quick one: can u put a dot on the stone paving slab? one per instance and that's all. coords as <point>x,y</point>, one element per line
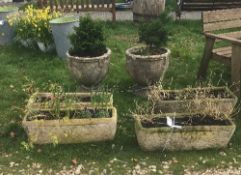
<point>126,15</point>
<point>195,15</point>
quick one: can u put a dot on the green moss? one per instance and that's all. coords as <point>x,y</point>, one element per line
<point>65,19</point>
<point>8,8</point>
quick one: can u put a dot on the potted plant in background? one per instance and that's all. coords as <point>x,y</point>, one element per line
<point>88,57</point>
<point>61,28</point>
<point>6,30</point>
<point>32,27</point>
<point>42,30</point>
<point>148,63</point>
<point>68,121</point>
<point>24,27</point>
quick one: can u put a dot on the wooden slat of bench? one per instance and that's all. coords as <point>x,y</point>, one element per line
<point>221,49</point>
<point>211,6</point>
<point>222,25</point>
<point>212,1</point>
<point>206,5</point>
<point>221,15</point>
<point>192,5</point>
<point>236,35</point>
<point>223,54</point>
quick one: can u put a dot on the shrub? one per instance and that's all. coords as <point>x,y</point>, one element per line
<point>88,39</point>
<point>33,24</point>
<point>154,34</point>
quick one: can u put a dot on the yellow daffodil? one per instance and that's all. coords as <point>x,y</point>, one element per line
<point>34,23</point>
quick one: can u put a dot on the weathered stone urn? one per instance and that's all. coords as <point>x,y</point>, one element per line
<point>146,70</point>
<point>89,71</point>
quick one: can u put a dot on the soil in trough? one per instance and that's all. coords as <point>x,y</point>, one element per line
<point>195,94</point>
<point>78,99</point>
<point>186,120</point>
<point>71,114</point>
<point>149,51</point>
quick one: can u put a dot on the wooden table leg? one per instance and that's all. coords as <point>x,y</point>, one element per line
<point>235,67</point>
<point>206,57</point>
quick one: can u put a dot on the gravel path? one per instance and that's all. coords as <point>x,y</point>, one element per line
<point>229,171</point>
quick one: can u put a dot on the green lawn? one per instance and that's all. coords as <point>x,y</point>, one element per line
<point>16,63</point>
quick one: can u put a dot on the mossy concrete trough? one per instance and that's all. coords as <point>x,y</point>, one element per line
<point>67,131</point>
<point>200,103</point>
<point>187,138</point>
<point>70,100</point>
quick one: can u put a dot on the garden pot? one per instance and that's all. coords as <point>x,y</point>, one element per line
<point>155,134</point>
<point>45,48</point>
<point>147,9</point>
<point>70,100</point>
<point>89,71</point>
<point>192,100</point>
<point>66,131</point>
<point>61,28</point>
<point>6,11</point>
<point>6,31</point>
<point>28,43</point>
<point>146,70</point>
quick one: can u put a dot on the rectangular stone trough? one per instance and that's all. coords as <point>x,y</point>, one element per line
<point>187,138</point>
<point>66,131</point>
<point>199,102</point>
<point>42,100</point>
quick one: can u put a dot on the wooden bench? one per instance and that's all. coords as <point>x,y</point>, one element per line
<point>220,22</point>
<point>204,5</point>
<point>80,6</point>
